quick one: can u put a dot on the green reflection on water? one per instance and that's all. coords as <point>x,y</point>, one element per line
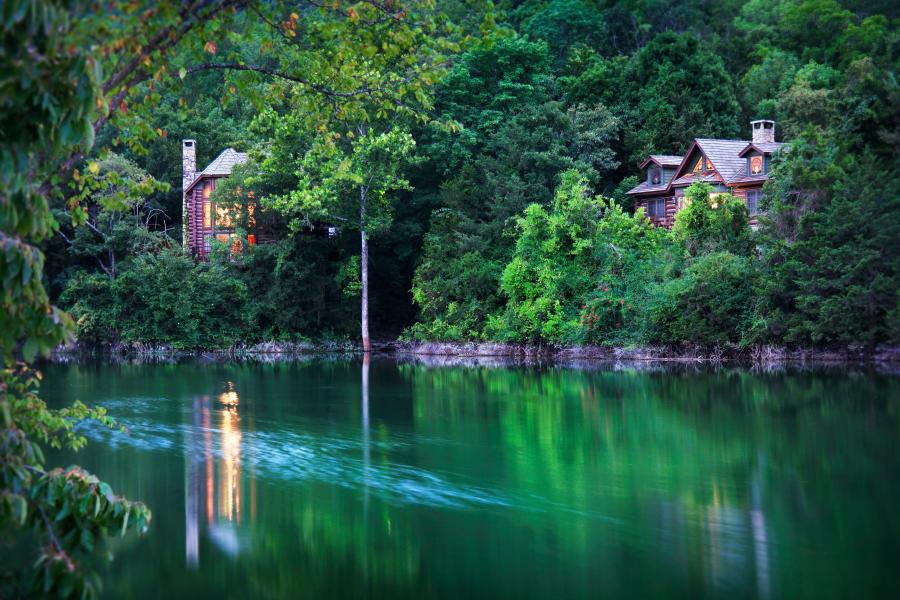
<point>297,479</point>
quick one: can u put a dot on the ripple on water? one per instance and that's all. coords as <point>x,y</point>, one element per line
<point>339,459</point>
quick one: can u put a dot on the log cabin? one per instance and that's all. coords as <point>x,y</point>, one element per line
<point>738,167</point>
<point>204,221</point>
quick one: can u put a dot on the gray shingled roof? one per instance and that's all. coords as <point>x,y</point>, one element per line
<point>224,162</point>
<point>750,179</point>
<point>692,178</point>
<point>667,160</point>
<point>644,188</point>
<point>221,166</point>
<point>724,155</point>
<point>764,147</point>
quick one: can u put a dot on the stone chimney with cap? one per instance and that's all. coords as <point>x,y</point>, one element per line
<point>763,131</point>
<point>188,174</point>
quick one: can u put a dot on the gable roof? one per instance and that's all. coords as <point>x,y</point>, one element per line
<point>647,188</point>
<point>663,160</point>
<point>724,156</point>
<point>747,179</point>
<point>762,147</point>
<point>221,166</point>
<point>691,178</point>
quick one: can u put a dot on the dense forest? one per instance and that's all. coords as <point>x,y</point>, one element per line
<point>504,216</point>
<point>450,170</point>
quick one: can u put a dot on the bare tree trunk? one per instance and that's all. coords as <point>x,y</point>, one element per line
<point>364,271</point>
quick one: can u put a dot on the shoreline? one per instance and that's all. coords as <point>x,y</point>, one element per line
<point>513,352</point>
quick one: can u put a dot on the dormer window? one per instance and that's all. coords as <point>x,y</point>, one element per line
<point>703,166</point>
<point>655,176</point>
<point>756,165</point>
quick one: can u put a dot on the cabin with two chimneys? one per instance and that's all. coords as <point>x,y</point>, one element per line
<point>738,167</point>
<point>203,220</point>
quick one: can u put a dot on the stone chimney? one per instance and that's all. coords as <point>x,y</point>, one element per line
<point>188,173</point>
<point>188,162</point>
<point>763,131</point>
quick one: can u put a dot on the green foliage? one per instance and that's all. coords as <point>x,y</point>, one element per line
<point>471,243</point>
<point>455,286</point>
<point>162,298</point>
<point>672,90</point>
<point>48,95</point>
<point>710,303</point>
<point>710,223</point>
<point>514,143</point>
<point>567,23</point>
<point>70,510</point>
<point>833,266</point>
<point>351,183</point>
<point>564,264</point>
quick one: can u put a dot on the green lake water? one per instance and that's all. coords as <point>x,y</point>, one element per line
<point>295,479</point>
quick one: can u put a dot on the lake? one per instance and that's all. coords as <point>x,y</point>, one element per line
<point>329,478</point>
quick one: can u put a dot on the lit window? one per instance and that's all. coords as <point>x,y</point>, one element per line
<point>756,165</point>
<point>207,190</point>
<point>207,214</point>
<point>223,216</point>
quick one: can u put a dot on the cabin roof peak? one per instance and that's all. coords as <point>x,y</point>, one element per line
<point>663,160</point>
<point>221,166</point>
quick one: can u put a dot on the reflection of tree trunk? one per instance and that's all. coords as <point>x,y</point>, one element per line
<point>364,270</point>
<point>365,427</point>
<point>192,467</point>
<point>760,537</point>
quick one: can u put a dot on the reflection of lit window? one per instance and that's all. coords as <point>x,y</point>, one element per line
<point>756,165</point>
<point>229,396</point>
<point>207,190</point>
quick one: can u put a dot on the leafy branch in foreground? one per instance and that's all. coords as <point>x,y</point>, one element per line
<point>70,511</point>
<point>49,93</point>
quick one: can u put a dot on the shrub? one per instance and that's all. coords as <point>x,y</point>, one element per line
<point>710,303</point>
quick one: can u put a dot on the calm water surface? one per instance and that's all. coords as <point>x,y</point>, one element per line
<point>297,480</point>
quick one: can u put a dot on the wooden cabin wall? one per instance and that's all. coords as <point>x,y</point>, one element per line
<point>742,194</point>
<point>660,221</point>
<point>197,233</point>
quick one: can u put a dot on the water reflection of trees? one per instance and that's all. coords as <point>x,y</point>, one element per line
<point>701,480</point>
<point>713,469</point>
